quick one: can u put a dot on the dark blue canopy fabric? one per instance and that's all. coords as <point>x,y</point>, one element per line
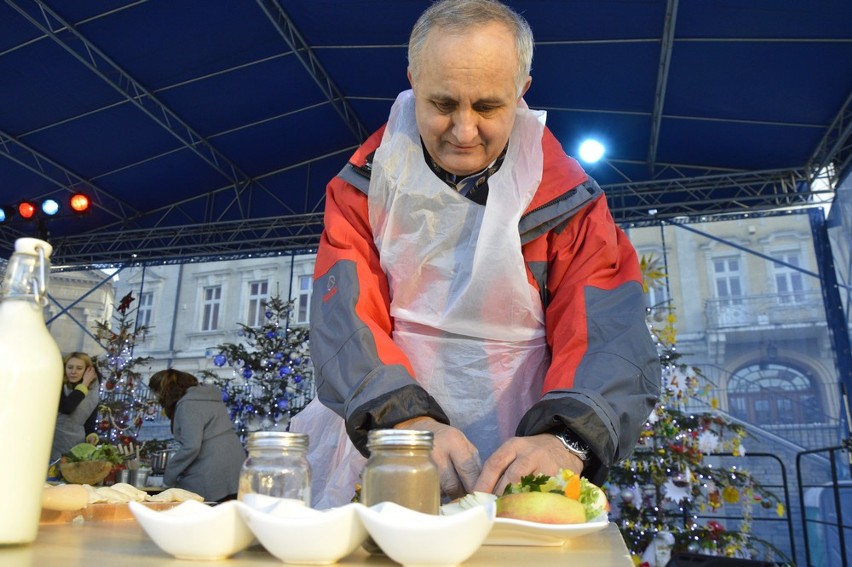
<point>210,127</point>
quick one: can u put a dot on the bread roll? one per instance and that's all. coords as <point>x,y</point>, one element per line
<point>176,495</point>
<point>64,497</point>
<point>134,493</point>
<point>94,497</point>
<point>112,496</point>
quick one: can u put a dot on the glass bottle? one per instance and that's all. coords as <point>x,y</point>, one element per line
<point>29,389</point>
<point>276,466</point>
<point>400,470</point>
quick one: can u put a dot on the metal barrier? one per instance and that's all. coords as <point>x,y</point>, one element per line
<point>835,486</point>
<point>784,487</point>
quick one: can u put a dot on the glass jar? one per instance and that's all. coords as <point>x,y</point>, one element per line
<point>400,470</point>
<point>276,466</point>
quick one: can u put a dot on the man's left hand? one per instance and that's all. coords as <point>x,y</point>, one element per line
<point>520,456</point>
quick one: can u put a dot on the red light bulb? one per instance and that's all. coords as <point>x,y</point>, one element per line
<point>80,203</point>
<point>27,210</point>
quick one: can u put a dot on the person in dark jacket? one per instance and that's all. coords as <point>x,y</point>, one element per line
<point>210,454</point>
<point>78,404</point>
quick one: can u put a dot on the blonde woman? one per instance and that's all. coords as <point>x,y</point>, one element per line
<point>78,404</point>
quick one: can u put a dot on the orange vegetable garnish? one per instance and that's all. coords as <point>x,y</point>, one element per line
<point>572,487</point>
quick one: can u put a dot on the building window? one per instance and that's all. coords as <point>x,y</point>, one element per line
<point>258,295</point>
<point>726,273</point>
<point>146,307</point>
<point>773,394</point>
<point>789,283</point>
<point>211,302</point>
<point>303,304</point>
<point>657,303</point>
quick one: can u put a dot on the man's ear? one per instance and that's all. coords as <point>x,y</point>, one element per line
<point>526,87</point>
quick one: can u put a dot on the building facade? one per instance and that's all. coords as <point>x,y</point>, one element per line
<point>78,301</point>
<point>749,313</point>
<point>190,309</point>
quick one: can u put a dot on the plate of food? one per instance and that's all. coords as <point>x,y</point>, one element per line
<point>542,510</point>
<point>507,531</point>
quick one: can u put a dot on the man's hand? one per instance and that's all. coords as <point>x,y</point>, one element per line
<point>457,459</point>
<point>520,456</point>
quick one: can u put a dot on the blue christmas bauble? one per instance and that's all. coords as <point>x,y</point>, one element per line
<point>279,355</point>
<point>284,371</point>
<point>270,334</point>
<point>220,360</point>
<point>268,314</point>
<point>297,378</point>
<point>225,396</point>
<point>282,404</point>
<point>247,373</point>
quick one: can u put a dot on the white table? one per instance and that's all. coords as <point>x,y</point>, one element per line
<point>125,544</point>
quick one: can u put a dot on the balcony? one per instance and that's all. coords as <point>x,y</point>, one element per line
<point>775,310</point>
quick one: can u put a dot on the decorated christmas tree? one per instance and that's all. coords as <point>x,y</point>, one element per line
<point>271,376</point>
<point>124,395</point>
<point>658,493</point>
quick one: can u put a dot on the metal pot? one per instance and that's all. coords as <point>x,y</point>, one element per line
<point>159,460</point>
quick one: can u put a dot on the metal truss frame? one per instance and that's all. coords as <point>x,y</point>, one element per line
<point>282,22</point>
<point>171,234</point>
<point>633,204</point>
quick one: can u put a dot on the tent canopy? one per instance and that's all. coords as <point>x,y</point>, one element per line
<point>210,128</point>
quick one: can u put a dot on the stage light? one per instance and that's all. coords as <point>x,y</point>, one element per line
<point>49,207</point>
<point>80,203</point>
<point>591,151</point>
<point>6,213</point>
<point>27,210</point>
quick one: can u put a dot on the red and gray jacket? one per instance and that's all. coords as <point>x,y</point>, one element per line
<point>604,376</point>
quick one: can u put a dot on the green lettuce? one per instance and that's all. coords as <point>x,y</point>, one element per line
<point>88,452</point>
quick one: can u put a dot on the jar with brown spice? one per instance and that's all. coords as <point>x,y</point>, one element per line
<point>400,470</point>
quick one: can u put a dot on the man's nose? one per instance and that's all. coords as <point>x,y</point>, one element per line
<point>465,126</point>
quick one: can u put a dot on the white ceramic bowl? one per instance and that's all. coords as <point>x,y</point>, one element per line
<point>266,503</point>
<point>415,539</point>
<point>193,530</point>
<point>298,534</point>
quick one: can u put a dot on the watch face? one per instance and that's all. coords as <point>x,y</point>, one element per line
<point>574,445</point>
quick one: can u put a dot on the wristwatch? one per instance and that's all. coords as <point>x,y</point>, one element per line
<point>572,443</point>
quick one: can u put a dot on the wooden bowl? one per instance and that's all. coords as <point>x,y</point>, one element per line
<point>85,472</point>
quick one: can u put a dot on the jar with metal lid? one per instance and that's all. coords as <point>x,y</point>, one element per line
<point>276,466</point>
<point>401,470</point>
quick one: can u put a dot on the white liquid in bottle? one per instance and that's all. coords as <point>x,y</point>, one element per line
<point>30,383</point>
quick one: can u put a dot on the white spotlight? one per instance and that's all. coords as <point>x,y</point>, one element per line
<point>591,151</point>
